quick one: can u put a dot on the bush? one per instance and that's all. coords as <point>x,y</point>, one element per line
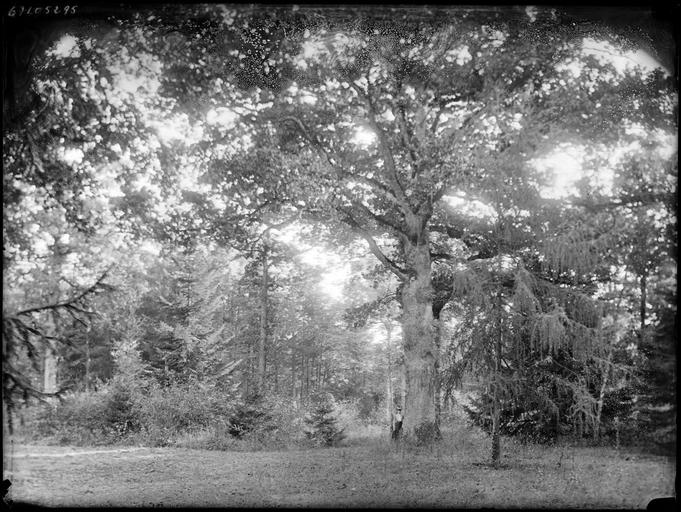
<point>259,424</point>
<point>138,412</point>
<point>85,418</point>
<point>171,411</point>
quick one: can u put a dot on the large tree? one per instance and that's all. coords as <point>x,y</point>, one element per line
<point>367,121</point>
<point>371,122</point>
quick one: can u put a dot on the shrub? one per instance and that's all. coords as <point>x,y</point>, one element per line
<point>168,412</point>
<point>102,417</point>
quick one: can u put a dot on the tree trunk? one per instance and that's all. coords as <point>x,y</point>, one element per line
<point>276,374</point>
<point>293,375</point>
<point>420,350</point>
<point>496,405</point>
<point>307,378</point>
<point>249,377</point>
<point>262,339</point>
<point>50,354</point>
<point>438,383</point>
<point>643,284</point>
<point>605,371</point>
<point>87,361</point>
<point>389,380</point>
<point>318,373</point>
<point>403,385</point>
<point>49,367</point>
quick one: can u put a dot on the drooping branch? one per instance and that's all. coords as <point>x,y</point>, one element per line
<point>70,304</point>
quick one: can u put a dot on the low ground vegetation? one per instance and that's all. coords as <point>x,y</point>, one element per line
<point>368,471</point>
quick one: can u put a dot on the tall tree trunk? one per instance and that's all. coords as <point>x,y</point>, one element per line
<point>389,380</point>
<point>644,298</point>
<point>50,367</point>
<point>496,405</point>
<point>87,361</point>
<point>307,378</point>
<point>496,409</point>
<point>318,373</point>
<point>420,350</point>
<point>262,339</point>
<point>438,383</point>
<point>605,372</point>
<point>403,385</point>
<point>293,374</point>
<point>249,378</point>
<point>276,375</point>
<point>50,351</point>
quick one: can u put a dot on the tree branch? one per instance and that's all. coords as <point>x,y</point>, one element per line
<point>388,159</point>
<point>407,136</point>
<point>375,249</point>
<point>388,193</point>
<point>378,218</point>
<point>99,284</point>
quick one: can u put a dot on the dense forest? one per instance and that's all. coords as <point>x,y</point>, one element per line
<point>249,223</point>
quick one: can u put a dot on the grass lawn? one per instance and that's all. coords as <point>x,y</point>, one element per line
<point>367,473</point>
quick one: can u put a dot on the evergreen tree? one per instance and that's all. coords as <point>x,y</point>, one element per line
<point>322,425</point>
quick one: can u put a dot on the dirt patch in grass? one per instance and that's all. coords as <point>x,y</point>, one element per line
<point>376,474</point>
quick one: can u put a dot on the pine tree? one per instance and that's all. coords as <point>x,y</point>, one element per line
<point>322,425</point>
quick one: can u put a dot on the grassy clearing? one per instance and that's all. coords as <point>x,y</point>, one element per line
<point>369,472</point>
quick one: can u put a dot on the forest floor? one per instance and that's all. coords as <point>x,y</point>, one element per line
<point>366,473</point>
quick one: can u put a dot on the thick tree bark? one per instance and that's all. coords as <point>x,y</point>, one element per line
<point>420,349</point>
